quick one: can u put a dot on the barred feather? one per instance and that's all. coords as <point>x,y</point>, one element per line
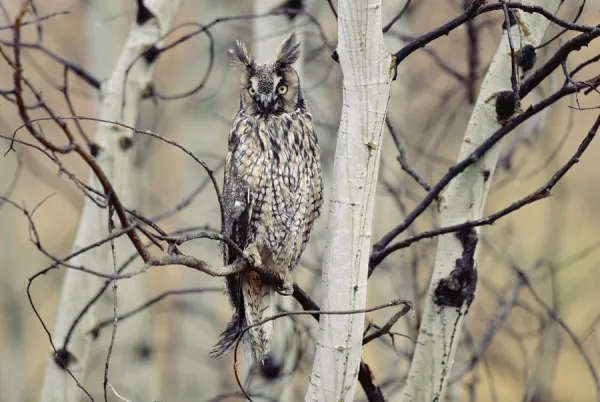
<point>259,303</point>
<point>228,338</point>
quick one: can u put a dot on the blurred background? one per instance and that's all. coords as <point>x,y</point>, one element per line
<point>512,349</point>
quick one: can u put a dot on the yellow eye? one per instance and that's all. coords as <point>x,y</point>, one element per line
<point>251,91</point>
<point>282,89</point>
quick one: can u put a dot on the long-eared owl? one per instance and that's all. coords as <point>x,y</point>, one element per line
<point>272,192</point>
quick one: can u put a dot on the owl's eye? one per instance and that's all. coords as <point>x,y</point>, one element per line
<point>282,89</point>
<point>251,91</point>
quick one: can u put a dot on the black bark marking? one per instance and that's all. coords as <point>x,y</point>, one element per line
<point>151,54</point>
<point>335,56</point>
<point>526,57</point>
<point>505,105</point>
<point>143,14</point>
<point>63,358</point>
<point>125,143</point>
<point>459,287</point>
<point>144,351</point>
<point>94,149</point>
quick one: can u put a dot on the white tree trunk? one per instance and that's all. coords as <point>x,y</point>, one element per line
<point>368,72</point>
<point>105,31</point>
<point>77,290</point>
<point>465,200</point>
<point>120,101</point>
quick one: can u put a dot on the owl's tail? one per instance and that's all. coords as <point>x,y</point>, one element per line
<point>259,303</point>
<point>253,301</point>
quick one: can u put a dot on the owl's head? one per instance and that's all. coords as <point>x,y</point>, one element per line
<point>271,88</point>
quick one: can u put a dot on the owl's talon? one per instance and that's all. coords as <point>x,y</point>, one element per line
<point>252,256</point>
<point>287,288</point>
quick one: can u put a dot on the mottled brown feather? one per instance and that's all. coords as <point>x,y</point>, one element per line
<point>273,189</point>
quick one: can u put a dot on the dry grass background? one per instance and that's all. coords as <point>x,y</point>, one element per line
<point>553,229</point>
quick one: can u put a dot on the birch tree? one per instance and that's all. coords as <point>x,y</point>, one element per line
<point>121,96</point>
<point>452,286</point>
<point>105,31</point>
<point>367,69</point>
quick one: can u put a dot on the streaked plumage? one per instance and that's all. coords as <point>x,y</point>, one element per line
<point>272,192</point>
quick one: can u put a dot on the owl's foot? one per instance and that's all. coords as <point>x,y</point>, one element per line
<point>287,288</point>
<point>253,256</point>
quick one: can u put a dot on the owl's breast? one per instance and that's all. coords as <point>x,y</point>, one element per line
<point>278,163</point>
<point>270,152</point>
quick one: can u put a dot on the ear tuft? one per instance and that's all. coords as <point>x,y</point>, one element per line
<point>288,53</point>
<point>239,55</point>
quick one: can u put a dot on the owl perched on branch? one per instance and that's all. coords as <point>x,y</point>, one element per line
<point>272,192</point>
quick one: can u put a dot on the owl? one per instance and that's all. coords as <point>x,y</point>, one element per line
<point>272,191</point>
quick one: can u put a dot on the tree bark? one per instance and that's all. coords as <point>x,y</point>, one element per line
<point>121,96</point>
<point>465,200</point>
<point>367,70</point>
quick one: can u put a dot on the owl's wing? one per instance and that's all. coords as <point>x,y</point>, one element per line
<point>315,201</point>
<point>235,205</point>
<point>236,228</point>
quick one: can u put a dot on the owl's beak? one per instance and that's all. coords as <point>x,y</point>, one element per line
<point>265,103</point>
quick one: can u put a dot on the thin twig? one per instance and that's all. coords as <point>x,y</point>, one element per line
<point>539,194</point>
<point>378,249</point>
<point>385,329</point>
